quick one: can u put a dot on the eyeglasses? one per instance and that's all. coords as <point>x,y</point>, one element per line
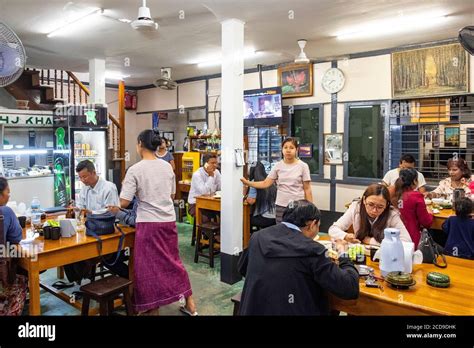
<point>373,206</point>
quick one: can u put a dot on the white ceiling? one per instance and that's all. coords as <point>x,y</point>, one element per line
<point>181,43</point>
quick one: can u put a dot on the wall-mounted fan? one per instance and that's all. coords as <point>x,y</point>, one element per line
<point>165,82</point>
<point>12,56</point>
<point>466,38</point>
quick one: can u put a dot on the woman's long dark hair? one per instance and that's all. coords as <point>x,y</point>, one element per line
<point>375,230</point>
<point>404,183</point>
<point>265,197</point>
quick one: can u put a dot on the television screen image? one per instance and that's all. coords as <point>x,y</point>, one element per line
<point>261,105</point>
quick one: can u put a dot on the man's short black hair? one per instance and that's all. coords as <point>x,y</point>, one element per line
<point>207,157</point>
<point>300,212</point>
<point>85,164</point>
<point>463,207</point>
<point>407,158</point>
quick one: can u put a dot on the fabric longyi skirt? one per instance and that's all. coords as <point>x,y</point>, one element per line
<point>159,275</point>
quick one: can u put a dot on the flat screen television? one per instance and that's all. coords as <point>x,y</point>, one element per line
<point>262,107</point>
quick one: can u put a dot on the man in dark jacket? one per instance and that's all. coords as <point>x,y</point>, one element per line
<point>287,273</point>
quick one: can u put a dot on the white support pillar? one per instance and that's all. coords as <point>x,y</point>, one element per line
<point>97,81</point>
<point>232,139</point>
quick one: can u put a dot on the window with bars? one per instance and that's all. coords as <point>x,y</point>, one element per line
<point>432,130</point>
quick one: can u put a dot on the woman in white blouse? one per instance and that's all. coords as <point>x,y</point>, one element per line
<point>369,217</point>
<point>459,178</point>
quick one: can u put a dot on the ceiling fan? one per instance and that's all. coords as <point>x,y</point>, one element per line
<point>144,21</point>
<point>165,81</point>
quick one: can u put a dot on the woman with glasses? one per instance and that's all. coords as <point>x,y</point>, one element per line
<point>366,220</point>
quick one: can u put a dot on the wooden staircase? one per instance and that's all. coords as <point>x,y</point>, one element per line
<point>47,89</point>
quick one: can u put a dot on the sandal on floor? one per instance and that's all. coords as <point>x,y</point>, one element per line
<point>184,310</point>
<point>59,285</point>
<point>77,295</point>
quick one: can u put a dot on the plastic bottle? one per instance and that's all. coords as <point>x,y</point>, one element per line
<point>35,212</point>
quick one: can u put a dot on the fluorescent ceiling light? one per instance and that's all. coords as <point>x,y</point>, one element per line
<point>80,19</point>
<point>217,60</point>
<point>115,75</point>
<point>394,25</point>
<point>23,152</point>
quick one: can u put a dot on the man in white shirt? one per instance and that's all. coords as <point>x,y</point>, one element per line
<point>406,161</point>
<point>205,182</point>
<point>97,193</point>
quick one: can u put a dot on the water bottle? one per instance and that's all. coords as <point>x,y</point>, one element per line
<point>35,212</point>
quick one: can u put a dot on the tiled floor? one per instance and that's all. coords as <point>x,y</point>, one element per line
<point>211,295</point>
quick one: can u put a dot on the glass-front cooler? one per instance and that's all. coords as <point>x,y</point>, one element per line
<point>89,145</point>
<point>264,146</point>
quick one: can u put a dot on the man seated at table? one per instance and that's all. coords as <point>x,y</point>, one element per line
<point>406,162</point>
<point>97,193</point>
<point>206,181</point>
<point>288,273</point>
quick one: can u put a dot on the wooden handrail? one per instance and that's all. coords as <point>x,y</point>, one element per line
<point>114,120</point>
<point>76,80</point>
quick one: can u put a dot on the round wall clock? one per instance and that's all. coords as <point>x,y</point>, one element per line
<point>333,80</point>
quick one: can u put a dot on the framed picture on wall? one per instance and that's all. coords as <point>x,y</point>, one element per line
<point>296,80</point>
<point>168,135</point>
<point>305,151</point>
<point>431,71</point>
<point>451,137</point>
<point>333,148</point>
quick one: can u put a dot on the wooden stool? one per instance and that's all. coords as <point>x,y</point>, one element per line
<point>210,230</point>
<point>236,300</point>
<point>105,291</point>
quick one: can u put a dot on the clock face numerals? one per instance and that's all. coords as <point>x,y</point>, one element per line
<point>333,80</point>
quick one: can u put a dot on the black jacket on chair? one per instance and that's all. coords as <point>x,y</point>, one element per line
<point>287,273</point>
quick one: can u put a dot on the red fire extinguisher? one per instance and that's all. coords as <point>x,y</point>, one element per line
<point>130,100</point>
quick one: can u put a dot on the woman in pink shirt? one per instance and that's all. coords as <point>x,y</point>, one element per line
<point>291,176</point>
<point>411,204</point>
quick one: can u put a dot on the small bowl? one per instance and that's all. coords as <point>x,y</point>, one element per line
<point>437,200</point>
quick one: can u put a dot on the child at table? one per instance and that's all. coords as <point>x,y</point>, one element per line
<point>460,231</point>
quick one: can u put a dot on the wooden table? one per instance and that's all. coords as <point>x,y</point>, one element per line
<point>182,190</point>
<point>210,203</point>
<point>56,253</point>
<point>440,217</point>
<point>420,299</point>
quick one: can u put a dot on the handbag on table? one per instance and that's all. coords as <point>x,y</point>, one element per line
<point>431,250</point>
<point>102,224</point>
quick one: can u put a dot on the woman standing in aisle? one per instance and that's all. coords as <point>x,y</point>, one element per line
<point>160,277</point>
<point>291,176</point>
<point>164,154</point>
